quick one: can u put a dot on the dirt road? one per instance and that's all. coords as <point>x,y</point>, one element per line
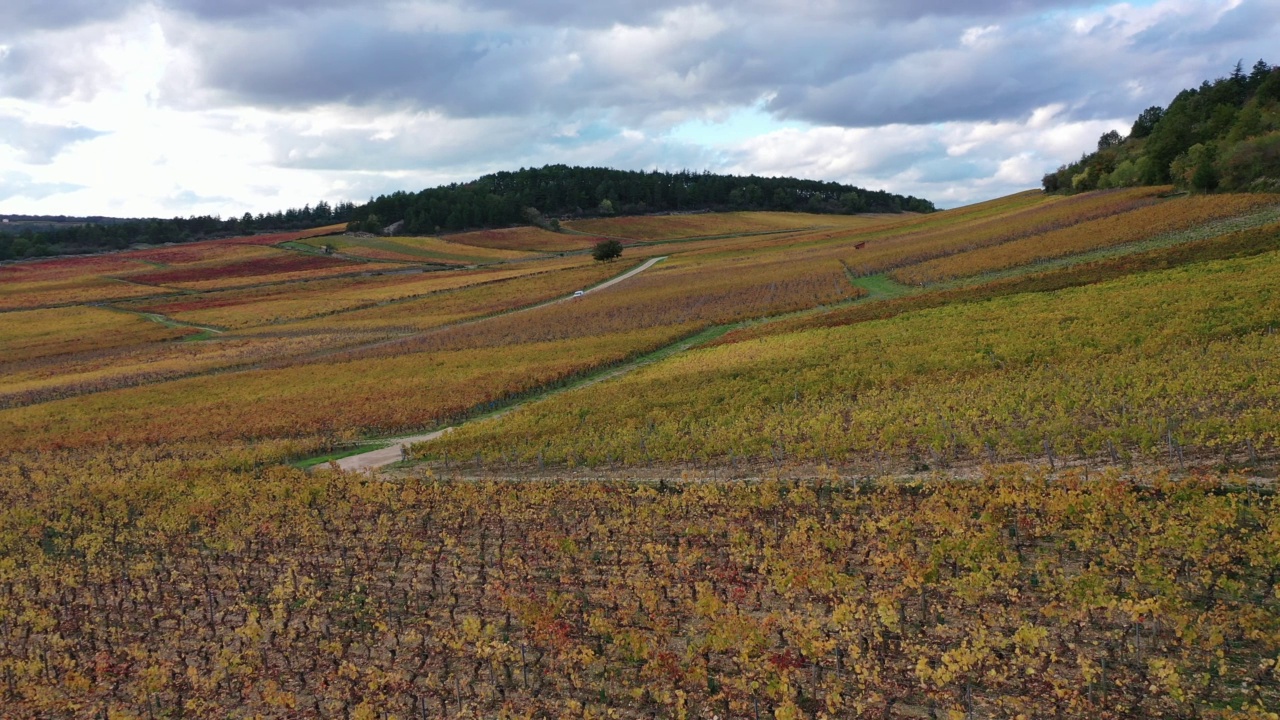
<point>608,283</point>
<point>395,452</point>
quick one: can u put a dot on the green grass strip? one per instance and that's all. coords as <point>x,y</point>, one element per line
<point>340,454</point>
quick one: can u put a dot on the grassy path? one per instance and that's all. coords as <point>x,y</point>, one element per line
<point>205,330</point>
<point>397,449</point>
<point>881,287</point>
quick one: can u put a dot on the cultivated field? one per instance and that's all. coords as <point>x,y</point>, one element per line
<point>417,249</point>
<point>676,227</point>
<point>525,238</point>
<point>1011,460</point>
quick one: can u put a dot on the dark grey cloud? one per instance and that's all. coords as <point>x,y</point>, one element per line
<point>591,13</point>
<point>847,64</point>
<point>39,143</point>
<point>883,63</point>
<point>636,72</point>
<point>940,85</point>
<point>333,59</point>
<point>1032,63</point>
<point>19,17</point>
<point>215,10</point>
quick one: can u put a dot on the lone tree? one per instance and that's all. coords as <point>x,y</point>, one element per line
<point>607,250</point>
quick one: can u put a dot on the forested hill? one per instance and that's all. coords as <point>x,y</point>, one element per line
<point>1223,135</point>
<point>533,195</point>
<point>29,236</point>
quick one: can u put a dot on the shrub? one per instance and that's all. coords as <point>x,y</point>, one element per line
<point>607,250</point>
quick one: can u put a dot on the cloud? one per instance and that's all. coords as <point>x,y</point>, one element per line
<point>86,61</point>
<point>952,164</point>
<point>1203,27</point>
<point>20,185</point>
<point>591,13</point>
<point>655,64</point>
<point>23,16</point>
<point>39,143</point>
<point>20,17</point>
<point>332,61</point>
<point>233,105</point>
<point>338,140</point>
<point>852,65</point>
<point>1006,71</point>
<point>454,150</point>
<point>187,199</point>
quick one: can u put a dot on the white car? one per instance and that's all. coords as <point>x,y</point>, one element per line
<point>580,293</point>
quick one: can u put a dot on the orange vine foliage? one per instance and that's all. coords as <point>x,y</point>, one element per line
<point>389,392</point>
<point>525,238</point>
<point>1127,227</point>
<point>677,226</point>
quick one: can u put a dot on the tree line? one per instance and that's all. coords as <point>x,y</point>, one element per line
<point>59,235</point>
<point>536,196</point>
<point>541,196</point>
<point>1224,135</point>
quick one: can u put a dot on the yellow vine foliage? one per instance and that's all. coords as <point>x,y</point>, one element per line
<point>179,580</point>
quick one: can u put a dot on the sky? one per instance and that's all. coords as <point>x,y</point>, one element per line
<point>192,107</point>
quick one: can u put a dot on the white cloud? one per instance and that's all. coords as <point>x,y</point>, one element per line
<point>975,36</point>
<point>951,163</point>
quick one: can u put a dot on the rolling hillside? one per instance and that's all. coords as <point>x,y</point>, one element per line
<point>1012,459</point>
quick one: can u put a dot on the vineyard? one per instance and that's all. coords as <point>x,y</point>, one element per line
<point>308,299</point>
<point>529,239</point>
<point>424,249</point>
<point>1127,227</point>
<point>1013,460</point>
<point>220,593</point>
<point>465,303</point>
<point>1093,372</point>
<point>675,227</point>
<point>41,334</point>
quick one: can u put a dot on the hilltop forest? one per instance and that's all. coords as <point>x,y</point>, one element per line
<point>526,196</point>
<point>1224,135</point>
